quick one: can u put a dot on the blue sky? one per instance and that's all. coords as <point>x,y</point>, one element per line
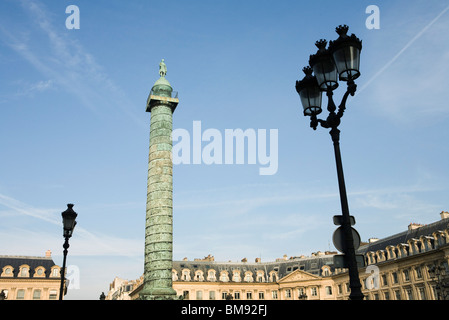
<point>73,127</point>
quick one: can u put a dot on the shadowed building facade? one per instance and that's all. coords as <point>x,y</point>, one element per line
<point>161,102</point>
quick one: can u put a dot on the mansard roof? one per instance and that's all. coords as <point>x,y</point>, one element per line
<point>403,237</point>
<point>32,262</point>
<point>311,265</point>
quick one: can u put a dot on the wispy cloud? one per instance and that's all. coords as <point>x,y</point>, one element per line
<point>408,45</point>
<point>65,62</point>
<point>87,242</point>
<point>405,89</point>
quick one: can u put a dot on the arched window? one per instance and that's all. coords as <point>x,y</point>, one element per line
<point>260,276</point>
<point>236,276</point>
<point>199,275</point>
<point>224,276</point>
<point>185,275</point>
<point>248,276</point>
<point>24,271</point>
<point>211,275</point>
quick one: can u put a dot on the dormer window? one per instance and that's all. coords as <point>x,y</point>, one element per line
<point>24,271</point>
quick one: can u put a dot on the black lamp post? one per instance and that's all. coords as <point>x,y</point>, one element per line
<point>340,62</point>
<point>69,223</point>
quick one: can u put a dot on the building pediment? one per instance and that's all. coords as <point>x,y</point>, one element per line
<point>298,275</point>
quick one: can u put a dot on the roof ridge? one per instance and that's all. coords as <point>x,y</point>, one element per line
<point>25,257</point>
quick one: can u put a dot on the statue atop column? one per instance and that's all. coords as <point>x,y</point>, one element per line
<point>162,68</point>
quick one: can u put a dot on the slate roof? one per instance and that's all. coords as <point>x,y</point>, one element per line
<point>404,236</point>
<point>33,262</point>
<point>310,264</point>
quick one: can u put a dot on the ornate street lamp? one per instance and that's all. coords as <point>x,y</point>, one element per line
<point>339,62</point>
<point>69,223</point>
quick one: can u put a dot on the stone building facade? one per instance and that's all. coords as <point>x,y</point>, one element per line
<point>29,278</point>
<point>398,267</point>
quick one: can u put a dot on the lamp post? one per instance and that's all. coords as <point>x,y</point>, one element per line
<point>339,62</point>
<point>69,223</point>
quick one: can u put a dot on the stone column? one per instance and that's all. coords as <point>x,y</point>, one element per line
<point>159,209</point>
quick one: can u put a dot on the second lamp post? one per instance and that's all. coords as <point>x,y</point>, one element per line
<point>339,62</point>
<point>68,221</point>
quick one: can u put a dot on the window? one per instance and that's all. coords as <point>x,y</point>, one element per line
<point>211,295</point>
<point>387,295</point>
<point>53,294</point>
<point>418,273</point>
<point>20,294</point>
<point>329,290</point>
<point>224,276</point>
<point>397,294</point>
<point>409,294</point>
<point>186,275</point>
<point>249,295</point>
<point>395,277</point>
<point>237,295</point>
<point>300,292</point>
<point>199,275</point>
<point>314,292</point>
<point>8,271</point>
<point>24,272</point>
<point>406,275</point>
<point>211,275</point>
<point>288,293</point>
<point>384,280</point>
<point>261,295</point>
<point>185,294</point>
<point>274,294</point>
<point>199,295</point>
<point>36,294</point>
<point>224,295</point>
<point>55,272</point>
<point>422,293</point>
<point>248,277</point>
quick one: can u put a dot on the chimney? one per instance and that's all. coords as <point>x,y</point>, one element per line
<point>371,240</point>
<point>244,260</point>
<point>444,215</point>
<point>258,260</point>
<point>413,226</point>
<point>48,254</point>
